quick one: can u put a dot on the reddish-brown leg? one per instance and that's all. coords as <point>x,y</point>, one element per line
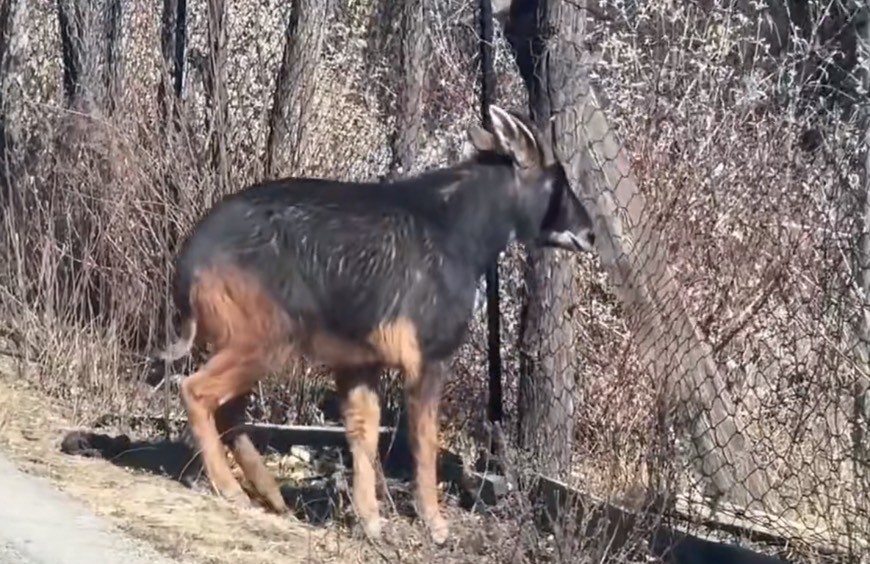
<point>358,389</point>
<point>228,374</point>
<point>229,419</point>
<point>423,394</point>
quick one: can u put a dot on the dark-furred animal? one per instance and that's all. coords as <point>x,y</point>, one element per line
<point>359,277</point>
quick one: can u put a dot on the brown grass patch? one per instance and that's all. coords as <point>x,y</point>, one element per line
<point>185,524</point>
<point>199,527</point>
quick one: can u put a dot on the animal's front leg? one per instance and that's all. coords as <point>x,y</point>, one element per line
<point>423,395</point>
<point>362,414</point>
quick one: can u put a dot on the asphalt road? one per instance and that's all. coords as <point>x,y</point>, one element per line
<point>41,525</point>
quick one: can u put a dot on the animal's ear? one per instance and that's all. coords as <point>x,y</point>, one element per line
<point>481,139</point>
<point>514,138</point>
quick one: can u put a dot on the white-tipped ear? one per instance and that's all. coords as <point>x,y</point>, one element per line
<point>514,138</point>
<point>526,132</point>
<point>502,126</point>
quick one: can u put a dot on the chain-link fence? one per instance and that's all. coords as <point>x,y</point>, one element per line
<point>720,364</point>
<point>709,366</point>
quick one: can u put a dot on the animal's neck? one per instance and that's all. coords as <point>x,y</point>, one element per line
<point>479,216</point>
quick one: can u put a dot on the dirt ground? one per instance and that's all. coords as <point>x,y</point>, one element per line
<point>196,526</point>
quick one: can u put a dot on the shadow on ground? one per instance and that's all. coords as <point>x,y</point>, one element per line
<point>322,498</point>
<point>318,498</point>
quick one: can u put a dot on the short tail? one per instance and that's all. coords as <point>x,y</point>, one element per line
<point>181,347</point>
<point>157,362</point>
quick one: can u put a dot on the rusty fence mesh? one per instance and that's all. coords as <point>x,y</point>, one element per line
<point>708,368</point>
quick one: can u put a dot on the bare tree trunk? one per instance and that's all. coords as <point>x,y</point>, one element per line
<point>67,15</point>
<point>414,57</point>
<point>218,94</point>
<point>295,86</point>
<point>112,66</point>
<point>173,36</point>
<point>82,48</point>
<point>668,338</point>
<point>11,15</point>
<point>547,373</point>
<point>90,34</point>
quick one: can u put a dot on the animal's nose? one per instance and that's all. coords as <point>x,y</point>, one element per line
<point>590,236</point>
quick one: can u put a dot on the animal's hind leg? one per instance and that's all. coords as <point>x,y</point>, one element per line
<point>422,397</point>
<point>358,389</point>
<point>228,374</point>
<point>229,419</point>
<point>398,345</point>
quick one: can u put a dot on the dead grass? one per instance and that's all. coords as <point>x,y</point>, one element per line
<point>184,524</point>
<point>197,527</point>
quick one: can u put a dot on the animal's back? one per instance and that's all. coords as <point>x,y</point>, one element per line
<point>341,256</point>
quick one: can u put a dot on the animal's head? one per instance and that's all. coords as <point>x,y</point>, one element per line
<point>547,212</point>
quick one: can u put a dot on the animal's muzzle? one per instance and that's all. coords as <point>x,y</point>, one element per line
<point>580,241</point>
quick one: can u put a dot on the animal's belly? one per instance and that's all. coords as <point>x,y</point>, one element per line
<point>334,351</point>
<point>443,333</point>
